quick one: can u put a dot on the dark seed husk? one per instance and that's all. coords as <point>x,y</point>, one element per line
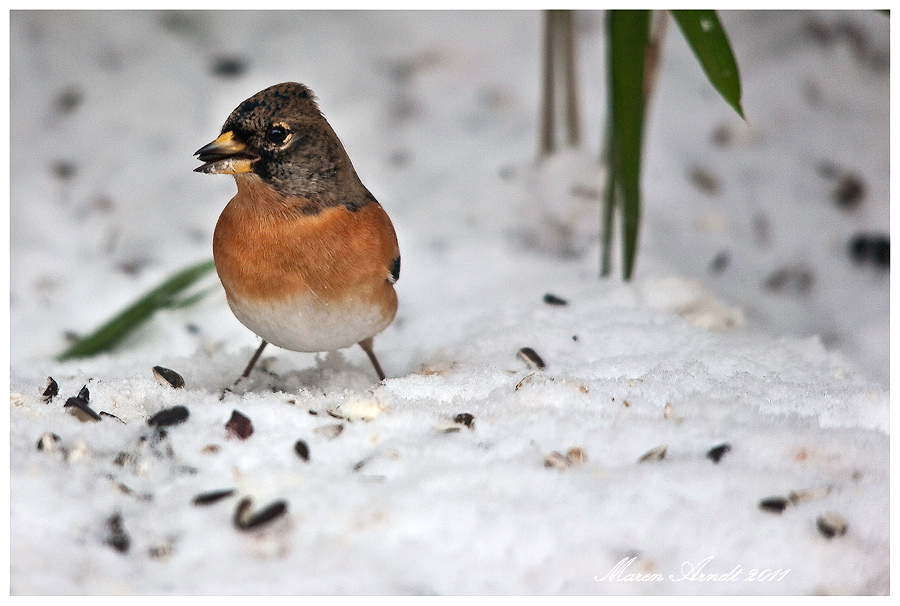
<point>831,524</point>
<point>302,450</point>
<point>51,391</point>
<point>169,416</point>
<point>530,357</point>
<point>207,498</point>
<point>551,299</point>
<point>849,191</point>
<point>118,539</point>
<point>103,413</point>
<point>773,504</point>
<point>466,419</point>
<point>79,407</point>
<point>125,458</point>
<point>871,248</point>
<point>48,441</point>
<point>716,453</point>
<point>654,454</point>
<point>244,521</point>
<point>239,425</point>
<point>167,376</point>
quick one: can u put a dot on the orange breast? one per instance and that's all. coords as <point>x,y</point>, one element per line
<point>266,251</point>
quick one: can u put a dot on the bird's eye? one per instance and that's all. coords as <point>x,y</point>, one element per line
<point>277,134</point>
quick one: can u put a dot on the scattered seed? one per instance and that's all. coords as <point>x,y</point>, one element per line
<point>161,551</point>
<point>125,458</point>
<point>705,181</point>
<point>530,357</point>
<point>313,413</point>
<point>722,135</point>
<point>158,438</point>
<point>556,460</point>
<point>118,539</point>
<point>208,498</point>
<point>576,456</point>
<point>525,379</point>
<point>551,299</point>
<point>655,454</point>
<point>125,489</point>
<point>103,413</point>
<point>329,432</point>
<point>51,391</point>
<point>871,248</point>
<point>211,449</point>
<point>169,416</point>
<point>849,191</point>
<point>68,100</point>
<point>466,419</point>
<point>63,169</point>
<point>720,262</point>
<point>809,494</point>
<point>244,521</point>
<point>229,67</point>
<point>362,463</point>
<point>716,453</point>
<point>79,406</point>
<point>831,524</point>
<point>302,449</point>
<point>167,376</point>
<point>239,425</point>
<point>773,504</point>
<point>48,441</point>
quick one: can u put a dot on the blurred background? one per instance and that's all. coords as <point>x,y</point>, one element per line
<point>785,216</point>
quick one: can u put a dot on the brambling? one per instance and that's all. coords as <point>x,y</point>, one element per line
<point>307,256</point>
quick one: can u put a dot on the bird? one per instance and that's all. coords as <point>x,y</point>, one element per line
<point>306,254</point>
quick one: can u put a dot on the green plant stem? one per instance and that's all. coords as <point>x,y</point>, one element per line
<point>122,324</point>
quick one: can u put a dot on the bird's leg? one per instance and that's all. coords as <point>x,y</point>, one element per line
<point>252,363</point>
<point>247,370</point>
<point>366,345</point>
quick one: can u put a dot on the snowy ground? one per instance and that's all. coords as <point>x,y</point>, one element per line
<point>747,324</point>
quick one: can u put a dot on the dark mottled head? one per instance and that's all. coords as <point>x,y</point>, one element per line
<point>280,135</point>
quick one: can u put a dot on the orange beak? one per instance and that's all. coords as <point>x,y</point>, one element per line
<point>225,156</point>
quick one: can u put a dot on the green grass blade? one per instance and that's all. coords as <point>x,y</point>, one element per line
<point>707,38</point>
<point>122,324</point>
<point>629,32</point>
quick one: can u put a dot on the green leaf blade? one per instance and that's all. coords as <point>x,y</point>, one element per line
<point>629,32</point>
<point>122,324</point>
<point>707,38</point>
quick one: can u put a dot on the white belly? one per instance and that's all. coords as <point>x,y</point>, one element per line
<point>301,326</point>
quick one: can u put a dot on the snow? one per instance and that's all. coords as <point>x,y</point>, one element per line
<point>439,113</point>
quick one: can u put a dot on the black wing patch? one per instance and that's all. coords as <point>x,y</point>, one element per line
<point>395,271</point>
